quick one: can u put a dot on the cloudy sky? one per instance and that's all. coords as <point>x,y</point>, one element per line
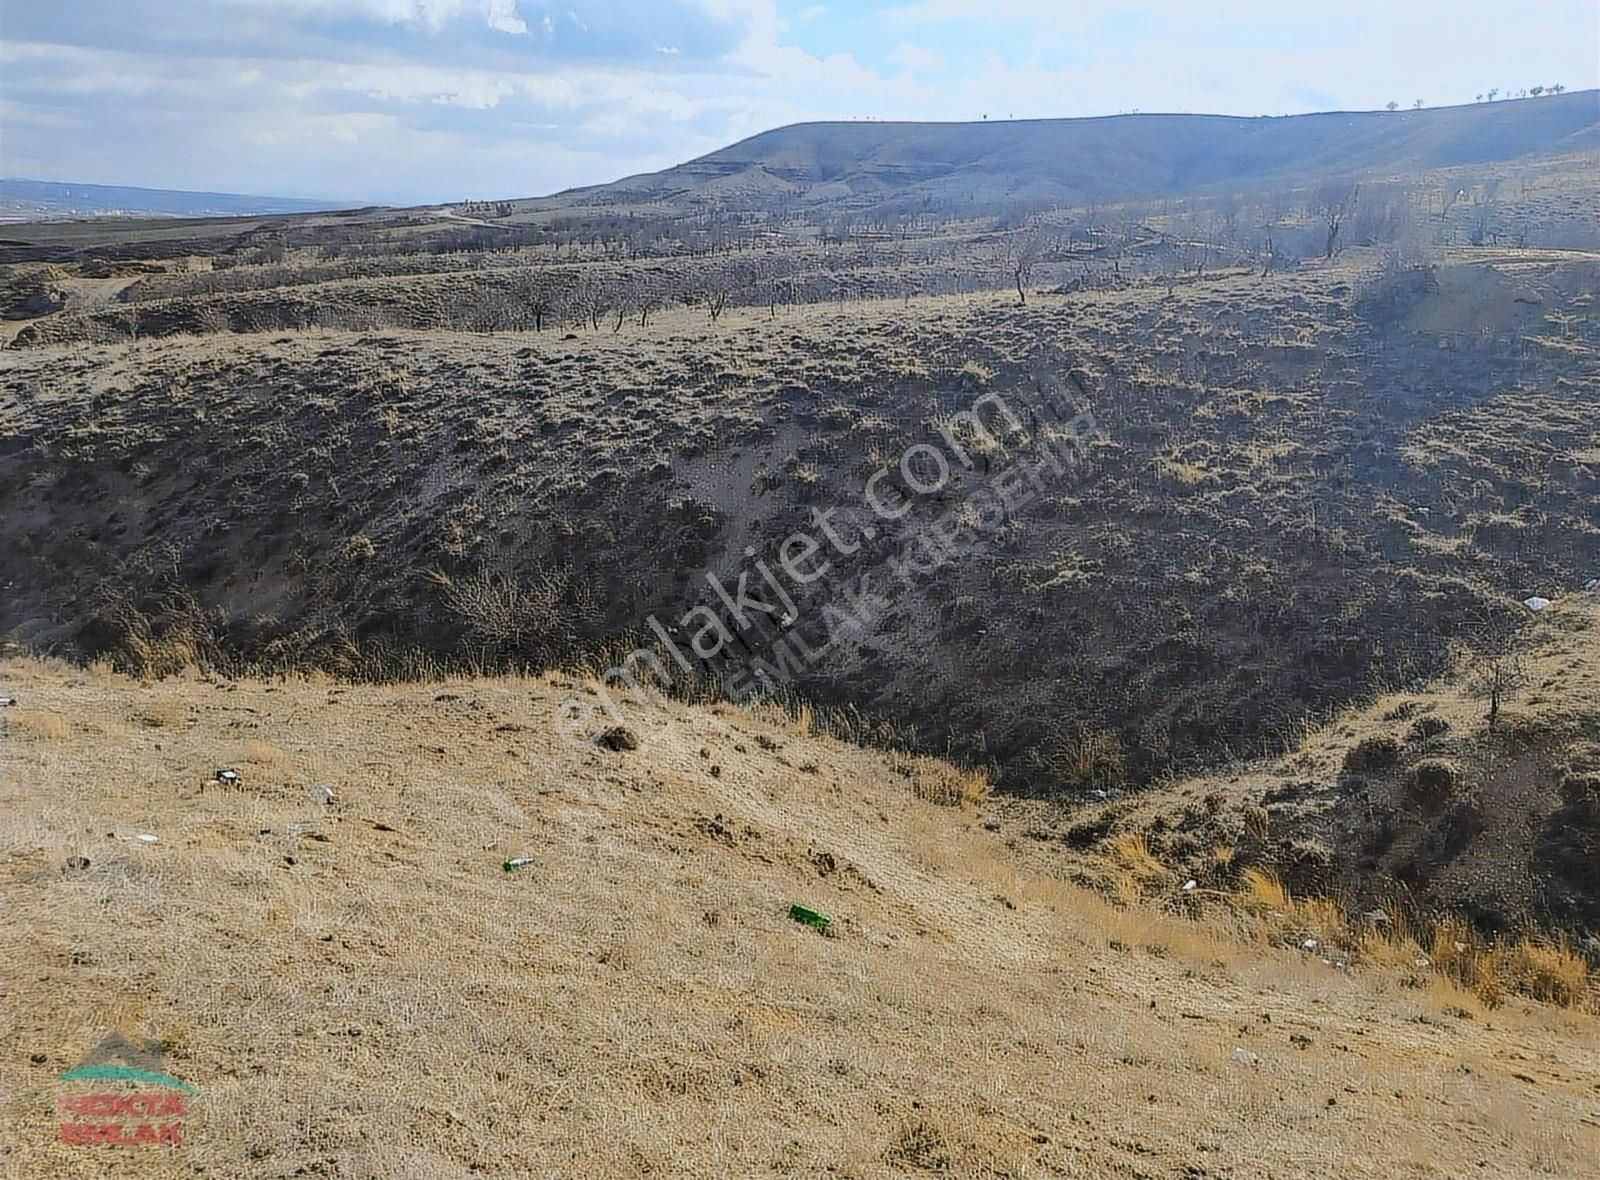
<point>428,100</point>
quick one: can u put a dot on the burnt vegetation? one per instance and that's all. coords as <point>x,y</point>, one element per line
<point>1340,420</point>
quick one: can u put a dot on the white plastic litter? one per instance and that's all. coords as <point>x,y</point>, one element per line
<point>141,837</point>
<point>1592,584</point>
<point>322,793</point>
<point>1377,915</point>
<point>228,777</point>
<point>1190,885</point>
<point>1245,1057</point>
<point>7,702</point>
<point>1309,944</point>
<point>1536,604</point>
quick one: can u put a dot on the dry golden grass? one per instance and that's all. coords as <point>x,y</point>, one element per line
<point>939,782</point>
<point>359,990</point>
<point>44,725</point>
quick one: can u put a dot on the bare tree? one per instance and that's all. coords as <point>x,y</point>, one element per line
<point>1335,200</point>
<point>591,300</point>
<point>716,295</point>
<point>531,297</point>
<point>1495,660</point>
<point>1021,254</point>
<point>1483,211</point>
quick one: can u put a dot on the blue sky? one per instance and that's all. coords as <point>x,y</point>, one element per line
<point>428,100</point>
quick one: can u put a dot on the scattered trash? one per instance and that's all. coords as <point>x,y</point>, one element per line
<point>77,862</point>
<point>1309,944</point>
<point>1536,604</point>
<point>1245,1057</point>
<point>142,838</point>
<point>1423,961</point>
<point>228,777</point>
<point>516,862</point>
<point>1591,584</point>
<point>617,737</point>
<point>1190,885</point>
<point>1377,915</point>
<point>810,917</point>
<point>7,702</point>
<point>322,793</point>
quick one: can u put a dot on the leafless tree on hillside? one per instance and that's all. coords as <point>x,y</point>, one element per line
<point>717,290</point>
<point>1483,211</point>
<point>1335,201</point>
<point>590,300</point>
<point>531,296</point>
<point>1495,660</point>
<point>1021,254</point>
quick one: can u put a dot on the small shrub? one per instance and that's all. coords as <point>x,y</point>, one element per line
<point>1547,970</point>
<point>1090,832</point>
<point>1425,729</point>
<point>1091,758</point>
<point>618,738</point>
<point>1580,789</point>
<point>1257,824</point>
<point>1402,711</point>
<point>973,376</point>
<point>1375,753</point>
<point>1434,780</point>
<point>1261,890</point>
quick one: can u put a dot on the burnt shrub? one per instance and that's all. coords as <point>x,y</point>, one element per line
<point>1370,754</point>
<point>1425,729</point>
<point>1433,780</point>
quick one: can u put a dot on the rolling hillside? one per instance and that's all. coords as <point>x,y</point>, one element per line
<point>41,200</point>
<point>1072,161</point>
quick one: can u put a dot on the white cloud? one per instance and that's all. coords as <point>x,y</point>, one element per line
<point>432,15</point>
<point>414,100</point>
<point>916,59</point>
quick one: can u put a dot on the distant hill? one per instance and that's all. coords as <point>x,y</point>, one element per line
<point>44,200</point>
<point>1070,161</point>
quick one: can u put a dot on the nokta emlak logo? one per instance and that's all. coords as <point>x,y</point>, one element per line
<point>119,1096</point>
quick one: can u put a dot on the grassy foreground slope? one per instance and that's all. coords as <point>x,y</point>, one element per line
<point>359,990</point>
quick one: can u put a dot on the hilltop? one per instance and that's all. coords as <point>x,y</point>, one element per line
<point>915,167</point>
<point>33,200</point>
<point>357,988</point>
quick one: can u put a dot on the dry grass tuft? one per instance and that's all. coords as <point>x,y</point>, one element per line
<point>41,724</point>
<point>941,782</point>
